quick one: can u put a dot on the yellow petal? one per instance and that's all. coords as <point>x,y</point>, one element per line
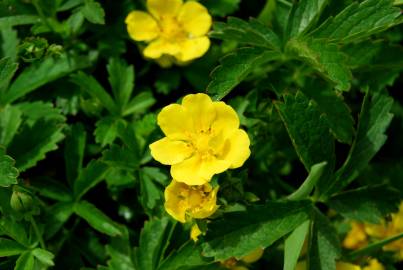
<point>141,26</point>
<point>170,152</point>
<point>173,204</point>
<point>374,264</point>
<point>346,266</point>
<point>209,207</point>
<point>159,47</point>
<point>175,122</point>
<point>192,48</point>
<point>211,166</point>
<point>253,256</point>
<point>160,8</point>
<point>226,120</point>
<point>201,110</point>
<point>188,171</point>
<point>195,18</point>
<point>237,149</point>
<point>195,232</point>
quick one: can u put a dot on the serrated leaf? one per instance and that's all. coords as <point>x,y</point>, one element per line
<point>150,193</point>
<point>74,151</point>
<point>38,110</point>
<point>139,103</point>
<point>10,42</point>
<point>56,217</point>
<point>91,86</point>
<point>89,177</point>
<point>31,144</point>
<point>235,67</point>
<point>106,130</point>
<point>334,109</point>
<point>304,15</point>
<point>221,7</point>
<point>41,73</point>
<point>10,248</point>
<point>18,20</point>
<point>374,119</point>
<point>10,121</point>
<point>324,57</point>
<point>8,173</point>
<point>13,229</point>
<point>250,33</point>
<point>120,157</point>
<point>371,204</point>
<point>25,262</point>
<point>96,219</point>
<point>43,256</point>
<point>293,245</point>
<point>52,189</point>
<point>121,78</point>
<point>359,20</point>
<point>239,233</point>
<point>7,70</point>
<point>93,12</point>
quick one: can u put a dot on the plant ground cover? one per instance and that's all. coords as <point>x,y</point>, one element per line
<point>210,134</point>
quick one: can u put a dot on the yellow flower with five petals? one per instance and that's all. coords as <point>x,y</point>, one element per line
<point>183,202</point>
<point>171,28</point>
<point>203,138</point>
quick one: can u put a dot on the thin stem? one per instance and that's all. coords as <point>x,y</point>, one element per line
<point>37,232</point>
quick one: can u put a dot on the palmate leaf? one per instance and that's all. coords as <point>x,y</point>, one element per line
<point>93,12</point>
<point>235,67</point>
<point>121,79</point>
<point>359,20</point>
<point>239,233</point>
<point>106,130</point>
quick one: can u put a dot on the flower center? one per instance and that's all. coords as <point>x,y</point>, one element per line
<point>171,29</point>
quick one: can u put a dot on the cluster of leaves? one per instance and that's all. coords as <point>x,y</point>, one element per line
<point>314,83</point>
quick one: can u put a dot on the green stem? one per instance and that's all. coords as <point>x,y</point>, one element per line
<point>37,232</point>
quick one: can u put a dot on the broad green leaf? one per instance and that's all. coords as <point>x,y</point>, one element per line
<point>10,121</point>
<point>31,144</point>
<point>91,86</point>
<point>189,256</point>
<point>43,256</point>
<point>308,131</point>
<point>139,103</point>
<point>56,217</point>
<point>359,20</point>
<point>151,246</point>
<point>120,157</point>
<point>7,69</point>
<point>221,7</point>
<point>235,67</point>
<point>304,15</point>
<point>38,110</point>
<point>8,173</point>
<point>93,12</point>
<point>374,119</point>
<point>324,246</point>
<point>14,229</point>
<point>325,57</point>
<point>74,151</point>
<point>106,130</point>
<point>96,219</point>
<point>293,245</point>
<point>119,260</point>
<point>10,41</point>
<point>42,73</point>
<point>239,233</point>
<point>310,182</point>
<point>25,262</point>
<point>18,20</point>
<point>10,247</point>
<point>251,33</point>
<point>371,204</point>
<point>121,78</point>
<point>332,106</point>
<point>89,177</point>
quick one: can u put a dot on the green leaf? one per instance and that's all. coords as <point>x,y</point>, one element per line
<point>221,8</point>
<point>152,243</point>
<point>74,151</point>
<point>304,15</point>
<point>10,42</point>
<point>18,20</point>
<point>324,245</point>
<point>310,182</point>
<point>7,70</point>
<point>150,193</point>
<point>189,256</point>
<point>140,103</point>
<point>56,217</point>
<point>25,262</point>
<point>10,121</point>
<point>89,177</point>
<point>308,131</point>
<point>371,204</point>
<point>93,12</point>
<point>325,57</point>
<point>38,110</point>
<point>96,219</point>
<point>239,233</point>
<point>120,157</point>
<point>44,256</point>
<point>250,33</point>
<point>235,67</point>
<point>10,247</point>
<point>106,130</point>
<point>41,73</point>
<point>91,86</point>
<point>31,144</point>
<point>374,119</point>
<point>332,106</point>
<point>14,229</point>
<point>121,78</point>
<point>359,20</point>
<point>8,173</point>
<point>52,189</point>
<point>293,245</point>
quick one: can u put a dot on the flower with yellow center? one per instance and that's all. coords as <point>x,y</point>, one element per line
<point>202,139</point>
<point>171,28</point>
<point>183,202</point>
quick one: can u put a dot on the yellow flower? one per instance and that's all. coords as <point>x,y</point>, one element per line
<point>183,202</point>
<point>356,238</point>
<point>339,266</point>
<point>171,28</point>
<point>374,264</point>
<point>195,232</point>
<point>203,139</point>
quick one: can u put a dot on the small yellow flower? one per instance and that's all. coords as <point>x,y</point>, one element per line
<point>339,266</point>
<point>203,139</point>
<point>195,232</point>
<point>374,264</point>
<point>172,28</point>
<point>356,238</point>
<point>183,202</point>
